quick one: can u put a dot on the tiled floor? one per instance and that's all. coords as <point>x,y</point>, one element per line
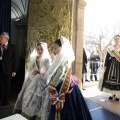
<point>101,98</point>
<point>97,112</point>
<point>100,113</point>
<point>100,107</point>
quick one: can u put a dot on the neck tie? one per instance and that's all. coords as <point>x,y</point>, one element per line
<point>3,49</point>
<point>0,51</point>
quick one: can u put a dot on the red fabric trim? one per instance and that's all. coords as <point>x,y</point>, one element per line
<point>59,99</point>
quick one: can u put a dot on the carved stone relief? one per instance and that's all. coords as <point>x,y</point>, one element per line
<point>47,21</point>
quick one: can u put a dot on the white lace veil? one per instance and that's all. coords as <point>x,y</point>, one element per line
<point>45,53</point>
<point>66,53</point>
<point>67,50</point>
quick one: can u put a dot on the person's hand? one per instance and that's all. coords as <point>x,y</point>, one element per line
<point>36,72</point>
<point>105,69</point>
<point>13,74</point>
<point>49,90</point>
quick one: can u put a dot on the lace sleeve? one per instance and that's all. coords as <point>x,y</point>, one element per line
<point>47,64</point>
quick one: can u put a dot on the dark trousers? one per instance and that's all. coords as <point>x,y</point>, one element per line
<point>5,87</point>
<point>1,87</point>
<point>1,81</point>
<point>93,72</point>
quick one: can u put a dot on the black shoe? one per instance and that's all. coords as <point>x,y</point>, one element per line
<point>111,97</point>
<point>96,80</point>
<point>116,99</point>
<point>87,80</point>
<point>83,89</point>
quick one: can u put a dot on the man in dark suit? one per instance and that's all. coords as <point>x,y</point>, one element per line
<point>84,69</point>
<point>8,66</point>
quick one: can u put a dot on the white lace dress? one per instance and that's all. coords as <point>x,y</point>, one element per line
<point>33,100</point>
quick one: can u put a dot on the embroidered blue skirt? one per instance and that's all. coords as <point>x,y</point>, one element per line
<point>75,107</point>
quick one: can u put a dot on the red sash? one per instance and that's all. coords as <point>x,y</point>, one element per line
<point>116,55</point>
<point>59,99</point>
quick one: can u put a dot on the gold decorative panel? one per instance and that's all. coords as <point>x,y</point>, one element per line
<point>47,21</point>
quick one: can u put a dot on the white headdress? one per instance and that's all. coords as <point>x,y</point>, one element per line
<point>67,50</point>
<point>45,53</point>
<point>66,53</point>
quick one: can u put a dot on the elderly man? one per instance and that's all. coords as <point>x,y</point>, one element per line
<point>8,66</point>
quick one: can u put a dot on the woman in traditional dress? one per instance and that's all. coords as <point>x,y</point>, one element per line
<point>33,102</point>
<point>94,58</point>
<point>111,77</point>
<point>66,98</point>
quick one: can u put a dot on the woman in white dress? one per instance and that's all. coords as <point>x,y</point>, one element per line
<point>33,102</point>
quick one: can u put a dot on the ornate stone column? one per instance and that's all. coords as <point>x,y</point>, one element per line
<point>77,39</point>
